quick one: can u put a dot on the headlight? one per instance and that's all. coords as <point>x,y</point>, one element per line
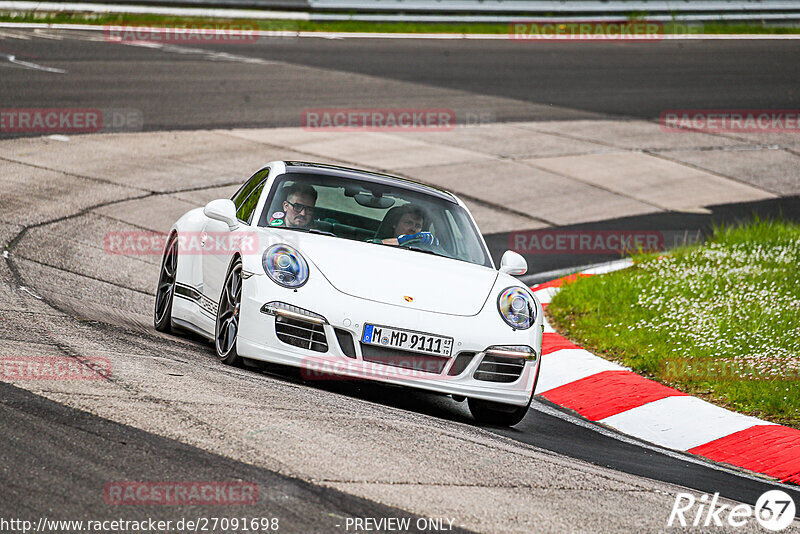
<point>285,266</point>
<point>517,308</point>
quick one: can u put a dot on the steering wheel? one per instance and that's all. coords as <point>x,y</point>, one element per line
<point>418,242</point>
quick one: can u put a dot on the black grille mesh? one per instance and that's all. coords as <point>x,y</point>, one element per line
<point>499,369</point>
<point>301,334</point>
<point>404,359</point>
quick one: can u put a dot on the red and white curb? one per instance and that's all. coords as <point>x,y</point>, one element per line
<point>613,395</point>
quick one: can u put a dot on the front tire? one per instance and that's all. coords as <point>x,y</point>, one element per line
<point>497,413</point>
<point>165,292</point>
<point>227,323</point>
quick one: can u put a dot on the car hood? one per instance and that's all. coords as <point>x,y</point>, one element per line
<point>396,276</point>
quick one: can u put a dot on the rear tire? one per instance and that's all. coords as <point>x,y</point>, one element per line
<point>497,413</point>
<point>226,330</point>
<point>165,291</point>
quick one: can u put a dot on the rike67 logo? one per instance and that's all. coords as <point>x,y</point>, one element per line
<point>774,510</point>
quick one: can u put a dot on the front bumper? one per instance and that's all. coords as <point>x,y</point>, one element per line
<point>471,334</point>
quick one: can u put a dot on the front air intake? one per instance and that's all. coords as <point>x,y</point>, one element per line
<point>302,334</point>
<point>345,340</point>
<point>499,369</point>
<point>460,364</point>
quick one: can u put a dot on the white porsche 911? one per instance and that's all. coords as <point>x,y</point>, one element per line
<point>354,274</point>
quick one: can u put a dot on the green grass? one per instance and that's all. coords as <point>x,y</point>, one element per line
<point>720,320</point>
<point>346,26</point>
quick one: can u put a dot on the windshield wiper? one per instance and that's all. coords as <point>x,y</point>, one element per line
<point>307,230</point>
<point>427,251</point>
<point>320,232</point>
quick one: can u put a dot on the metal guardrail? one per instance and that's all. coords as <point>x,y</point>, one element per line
<point>539,7</point>
<point>555,6</point>
<point>477,10</point>
<point>294,5</point>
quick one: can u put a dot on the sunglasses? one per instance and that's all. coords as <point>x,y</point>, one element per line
<point>300,208</point>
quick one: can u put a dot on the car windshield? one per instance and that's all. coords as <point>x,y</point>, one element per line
<point>375,213</point>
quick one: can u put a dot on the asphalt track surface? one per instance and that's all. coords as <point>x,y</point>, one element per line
<point>73,447</point>
<point>176,91</point>
<point>217,85</point>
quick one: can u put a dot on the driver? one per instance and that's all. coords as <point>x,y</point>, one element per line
<point>408,226</point>
<point>298,207</point>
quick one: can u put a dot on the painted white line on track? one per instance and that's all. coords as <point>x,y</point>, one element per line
<point>15,35</point>
<point>441,36</point>
<point>29,292</point>
<point>45,34</point>
<point>205,54</point>
<point>29,65</point>
<point>681,422</point>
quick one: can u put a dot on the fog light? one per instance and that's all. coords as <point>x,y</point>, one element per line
<point>281,309</point>
<point>512,351</point>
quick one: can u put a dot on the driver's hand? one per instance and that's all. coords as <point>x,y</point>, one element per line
<point>426,238</point>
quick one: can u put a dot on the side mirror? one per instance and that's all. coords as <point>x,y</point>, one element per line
<point>224,210</point>
<point>513,264</point>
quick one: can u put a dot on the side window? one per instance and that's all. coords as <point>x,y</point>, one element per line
<point>244,191</point>
<point>246,198</point>
<point>245,211</point>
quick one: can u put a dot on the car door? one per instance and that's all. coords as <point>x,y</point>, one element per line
<point>217,240</point>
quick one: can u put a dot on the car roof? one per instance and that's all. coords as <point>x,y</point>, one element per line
<point>387,179</point>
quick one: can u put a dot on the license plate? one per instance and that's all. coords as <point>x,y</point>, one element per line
<point>395,338</point>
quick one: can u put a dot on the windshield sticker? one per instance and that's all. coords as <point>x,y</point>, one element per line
<point>276,222</point>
